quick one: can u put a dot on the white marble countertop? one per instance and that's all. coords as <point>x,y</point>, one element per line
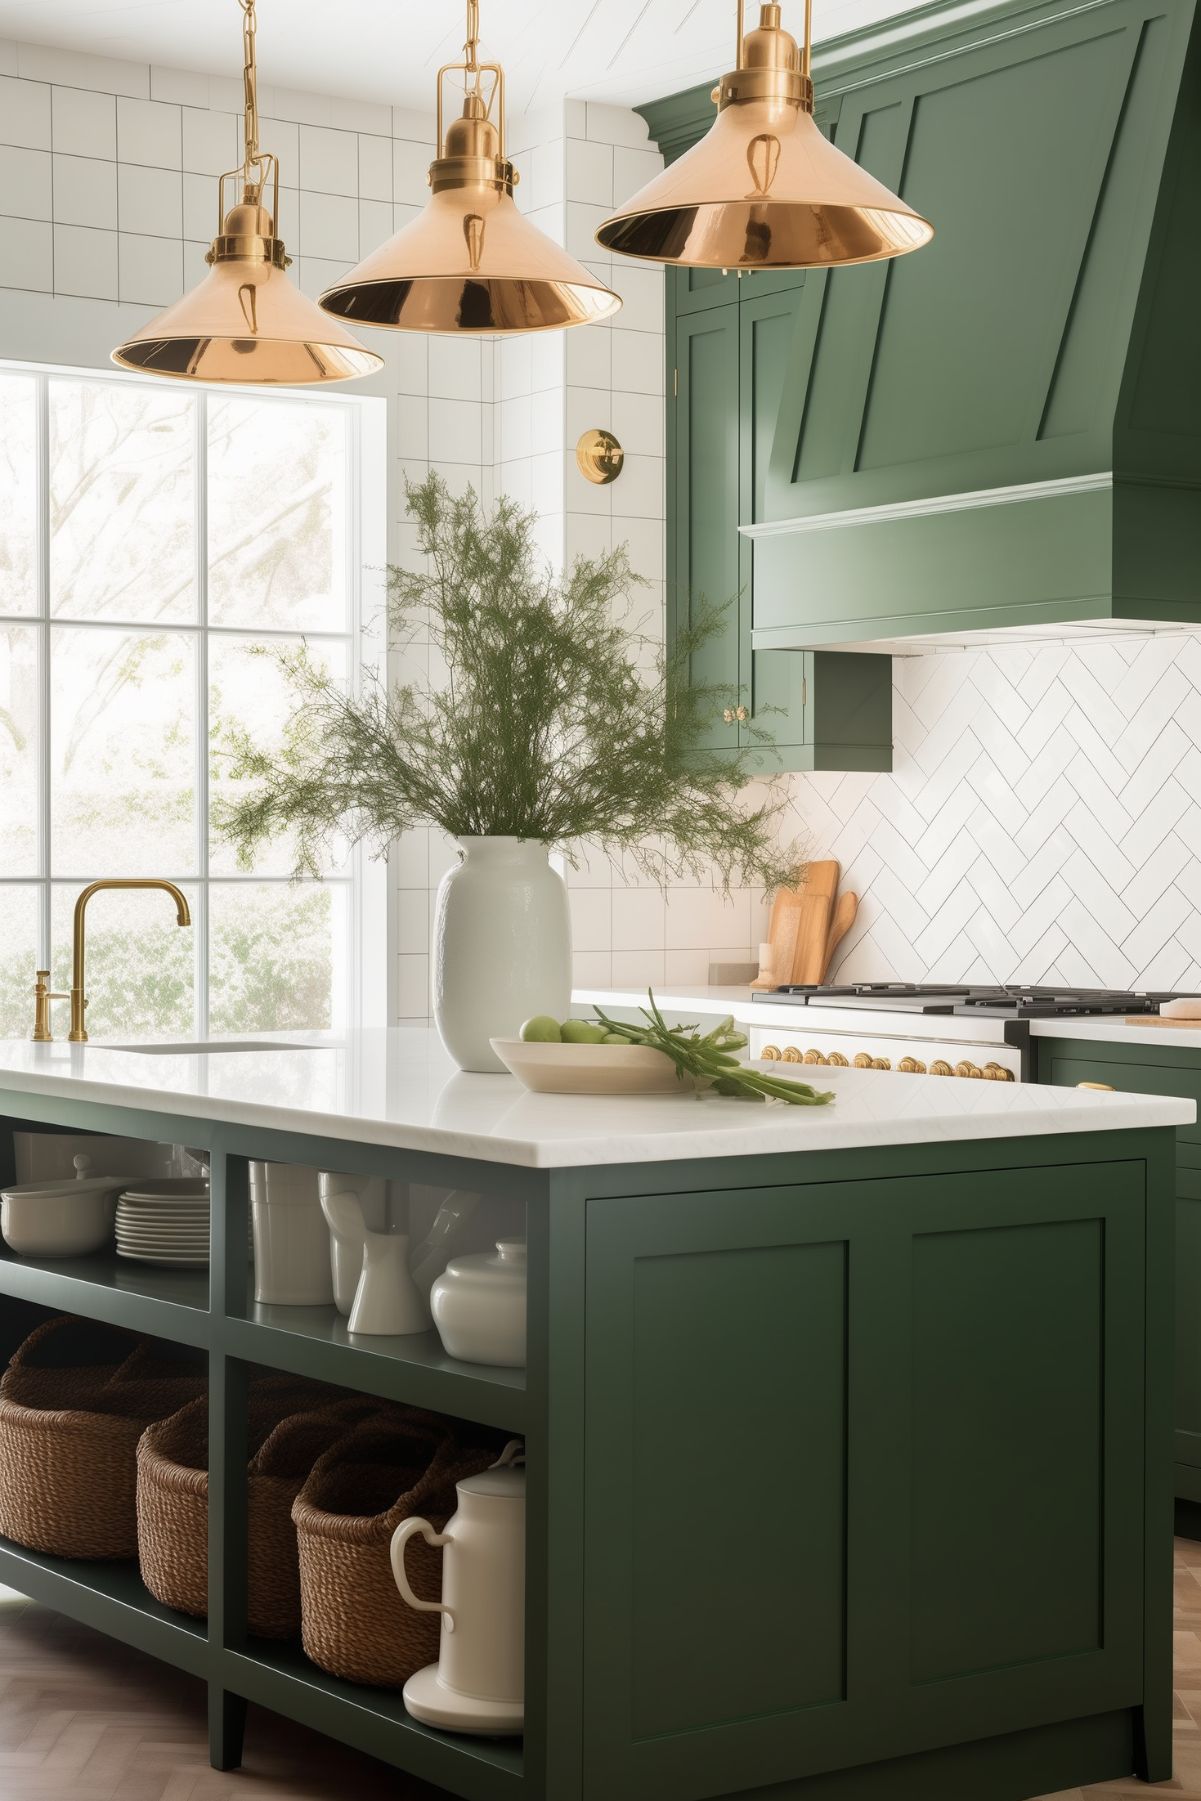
<point>398,1087</point>
<point>704,1002</point>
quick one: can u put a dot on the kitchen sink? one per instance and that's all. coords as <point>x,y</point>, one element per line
<point>205,1048</point>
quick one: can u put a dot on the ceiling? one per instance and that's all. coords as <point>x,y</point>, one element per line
<point>619,50</point>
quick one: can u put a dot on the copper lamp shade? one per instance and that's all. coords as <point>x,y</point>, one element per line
<point>471,262</point>
<point>246,322</point>
<point>764,188</point>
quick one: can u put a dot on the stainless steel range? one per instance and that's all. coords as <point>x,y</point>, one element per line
<point>918,1028</point>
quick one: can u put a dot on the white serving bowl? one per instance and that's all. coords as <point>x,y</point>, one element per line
<point>591,1068</point>
<point>60,1219</point>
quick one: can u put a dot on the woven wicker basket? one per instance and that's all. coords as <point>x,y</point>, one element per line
<point>353,1621</point>
<point>73,1403</point>
<point>290,1421</point>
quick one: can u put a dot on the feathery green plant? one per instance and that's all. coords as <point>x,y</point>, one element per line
<point>554,721</point>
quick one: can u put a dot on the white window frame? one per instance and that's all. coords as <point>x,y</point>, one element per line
<point>360,987</point>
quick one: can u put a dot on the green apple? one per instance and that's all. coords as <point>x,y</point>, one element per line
<point>542,1029</point>
<point>582,1031</point>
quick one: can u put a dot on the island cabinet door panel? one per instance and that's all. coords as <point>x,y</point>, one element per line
<point>863,1471</point>
<point>1072,1062</point>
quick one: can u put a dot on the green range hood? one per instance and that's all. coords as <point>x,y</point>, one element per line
<point>1001,434</point>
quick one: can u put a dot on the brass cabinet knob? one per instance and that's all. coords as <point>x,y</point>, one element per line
<point>741,713</point>
<point>1100,1087</point>
<point>941,1068</point>
<point>969,1069</point>
<point>836,1060</point>
<point>813,1057</point>
<point>910,1066</point>
<point>997,1072</point>
<point>862,1060</point>
<point>791,1054</point>
<point>727,714</point>
<point>770,1053</point>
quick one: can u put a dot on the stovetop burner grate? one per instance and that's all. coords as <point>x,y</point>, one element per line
<point>1014,1001</point>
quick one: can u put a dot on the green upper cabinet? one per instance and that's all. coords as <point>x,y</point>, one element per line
<point>728,340</point>
<point>1000,430</point>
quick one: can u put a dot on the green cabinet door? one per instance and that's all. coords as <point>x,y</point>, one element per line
<point>1160,1071</point>
<point>729,342</point>
<point>703,523</point>
<point>863,1471</point>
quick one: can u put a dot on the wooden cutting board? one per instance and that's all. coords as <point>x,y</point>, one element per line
<point>813,934</point>
<point>841,921</point>
<point>1155,1019</point>
<point>782,936</point>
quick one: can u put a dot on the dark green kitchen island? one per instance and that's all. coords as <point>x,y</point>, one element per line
<point>849,1431</point>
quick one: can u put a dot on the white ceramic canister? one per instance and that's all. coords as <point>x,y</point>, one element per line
<point>291,1238</point>
<point>479,1305</point>
<point>478,1682</point>
<point>502,947</point>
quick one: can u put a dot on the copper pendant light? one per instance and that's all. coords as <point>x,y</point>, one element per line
<point>471,262</point>
<point>764,189</point>
<point>246,322</point>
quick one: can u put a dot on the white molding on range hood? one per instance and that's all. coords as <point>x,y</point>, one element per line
<point>931,504</point>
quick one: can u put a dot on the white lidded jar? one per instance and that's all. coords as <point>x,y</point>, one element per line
<point>502,947</point>
<point>478,1304</point>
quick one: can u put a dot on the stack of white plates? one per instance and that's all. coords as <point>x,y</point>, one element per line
<point>165,1222</point>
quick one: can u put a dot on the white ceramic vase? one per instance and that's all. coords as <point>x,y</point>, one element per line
<point>502,947</point>
<point>387,1301</point>
<point>291,1238</point>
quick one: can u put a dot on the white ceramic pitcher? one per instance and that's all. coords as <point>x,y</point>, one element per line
<point>386,1301</point>
<point>478,1682</point>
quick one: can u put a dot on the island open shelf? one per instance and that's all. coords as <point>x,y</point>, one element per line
<point>785,1377</point>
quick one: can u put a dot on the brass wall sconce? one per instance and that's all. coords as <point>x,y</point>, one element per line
<point>599,457</point>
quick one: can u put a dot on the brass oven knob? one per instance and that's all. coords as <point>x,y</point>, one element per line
<point>997,1072</point>
<point>836,1060</point>
<point>791,1054</point>
<point>770,1053</point>
<point>813,1057</point>
<point>862,1060</point>
<point>881,1063</point>
<point>911,1067</point>
<point>941,1068</point>
<point>969,1069</point>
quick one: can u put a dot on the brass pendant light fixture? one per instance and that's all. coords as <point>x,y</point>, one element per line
<point>764,188</point>
<point>246,321</point>
<point>471,262</point>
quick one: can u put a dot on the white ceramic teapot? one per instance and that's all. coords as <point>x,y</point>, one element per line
<point>478,1682</point>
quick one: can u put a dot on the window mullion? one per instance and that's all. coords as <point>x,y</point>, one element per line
<point>202,719</point>
<point>45,820</point>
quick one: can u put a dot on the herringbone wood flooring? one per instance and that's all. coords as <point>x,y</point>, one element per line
<point>84,1719</point>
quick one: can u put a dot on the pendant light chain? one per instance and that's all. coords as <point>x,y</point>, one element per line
<point>253,159</point>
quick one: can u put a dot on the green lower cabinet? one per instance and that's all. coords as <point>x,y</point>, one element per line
<point>1066,1062</point>
<point>728,343</point>
<point>864,1476</point>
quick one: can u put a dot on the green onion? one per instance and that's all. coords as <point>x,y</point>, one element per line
<point>711,1059</point>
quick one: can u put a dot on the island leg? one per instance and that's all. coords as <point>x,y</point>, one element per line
<point>227,1727</point>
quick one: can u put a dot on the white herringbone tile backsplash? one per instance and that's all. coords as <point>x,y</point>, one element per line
<point>1042,822</point>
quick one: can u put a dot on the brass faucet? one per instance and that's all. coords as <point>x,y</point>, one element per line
<point>78,998</point>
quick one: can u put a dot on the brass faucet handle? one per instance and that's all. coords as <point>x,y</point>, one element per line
<point>42,997</point>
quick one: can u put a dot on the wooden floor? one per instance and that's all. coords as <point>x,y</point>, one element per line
<point>84,1719</point>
